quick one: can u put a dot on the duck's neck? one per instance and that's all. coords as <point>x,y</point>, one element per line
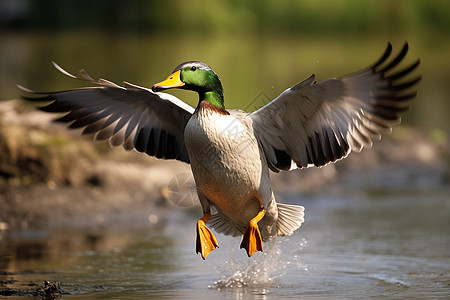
<point>214,97</point>
<point>213,100</point>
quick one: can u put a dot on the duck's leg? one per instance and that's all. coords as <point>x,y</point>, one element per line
<point>206,241</point>
<point>252,240</point>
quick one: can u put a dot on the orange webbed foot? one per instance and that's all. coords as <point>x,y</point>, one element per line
<point>252,241</point>
<point>206,241</point>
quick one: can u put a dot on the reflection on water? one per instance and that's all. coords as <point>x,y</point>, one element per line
<point>392,244</point>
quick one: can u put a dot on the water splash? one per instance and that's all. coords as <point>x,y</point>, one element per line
<point>263,270</point>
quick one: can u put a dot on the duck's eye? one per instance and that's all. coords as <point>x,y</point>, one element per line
<point>193,68</point>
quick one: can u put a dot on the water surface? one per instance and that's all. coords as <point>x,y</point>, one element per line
<point>391,244</point>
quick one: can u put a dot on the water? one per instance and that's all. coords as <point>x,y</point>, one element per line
<point>386,245</point>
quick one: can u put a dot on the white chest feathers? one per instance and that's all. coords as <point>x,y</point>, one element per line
<point>225,135</point>
<point>223,151</point>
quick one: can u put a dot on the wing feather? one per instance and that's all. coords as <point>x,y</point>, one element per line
<point>315,123</point>
<point>130,116</point>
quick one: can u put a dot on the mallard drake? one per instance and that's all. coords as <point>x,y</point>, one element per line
<point>231,152</point>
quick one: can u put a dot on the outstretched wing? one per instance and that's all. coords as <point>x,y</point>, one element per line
<point>314,123</point>
<point>129,115</point>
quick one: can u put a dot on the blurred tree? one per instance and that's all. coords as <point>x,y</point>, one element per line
<point>306,16</point>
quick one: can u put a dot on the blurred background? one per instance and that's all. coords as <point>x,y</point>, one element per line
<point>254,46</point>
<point>60,194</point>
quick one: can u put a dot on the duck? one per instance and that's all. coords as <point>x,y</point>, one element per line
<point>232,152</point>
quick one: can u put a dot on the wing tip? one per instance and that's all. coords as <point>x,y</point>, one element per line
<point>24,89</point>
<point>60,69</point>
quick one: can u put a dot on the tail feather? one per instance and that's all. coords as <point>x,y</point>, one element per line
<point>220,225</point>
<point>290,218</point>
